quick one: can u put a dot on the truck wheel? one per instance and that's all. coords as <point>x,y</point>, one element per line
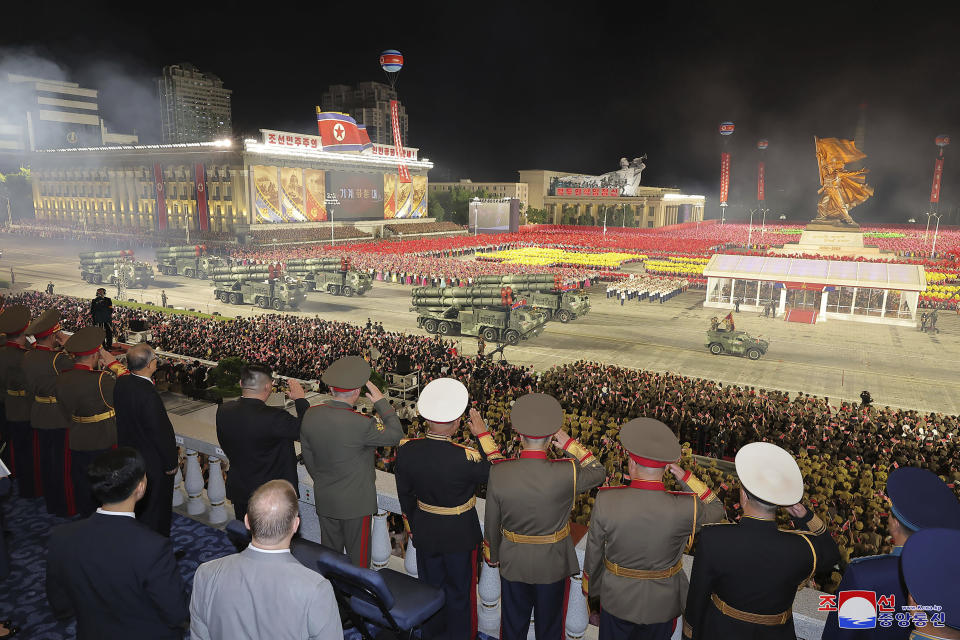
<point>348,291</point>
<point>98,278</point>
<point>361,292</point>
<point>444,328</point>
<point>277,304</point>
<point>564,316</point>
<point>716,348</point>
<point>512,336</point>
<point>753,354</point>
<point>235,298</point>
<point>332,290</point>
<point>489,334</point>
<point>188,273</point>
<point>430,325</point>
<point>202,274</point>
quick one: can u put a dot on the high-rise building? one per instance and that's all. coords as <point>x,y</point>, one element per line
<point>369,104</point>
<point>194,106</point>
<point>39,113</point>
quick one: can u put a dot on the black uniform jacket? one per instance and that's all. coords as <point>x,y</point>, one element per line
<point>258,441</point>
<point>142,423</point>
<point>439,473</point>
<point>118,577</point>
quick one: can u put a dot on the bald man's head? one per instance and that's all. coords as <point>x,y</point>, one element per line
<point>139,356</point>
<point>272,512</point>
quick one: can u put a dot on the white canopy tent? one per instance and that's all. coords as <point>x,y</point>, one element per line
<point>834,289</point>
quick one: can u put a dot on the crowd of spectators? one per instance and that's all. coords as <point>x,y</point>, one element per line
<point>269,235</point>
<point>414,228</point>
<point>846,449</point>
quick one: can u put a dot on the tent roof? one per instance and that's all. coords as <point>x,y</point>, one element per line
<point>844,273</point>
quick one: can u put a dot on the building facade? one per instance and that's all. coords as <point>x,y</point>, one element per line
<point>194,106</point>
<point>38,113</point>
<point>221,185</point>
<point>517,190</point>
<point>649,206</point>
<point>369,104</point>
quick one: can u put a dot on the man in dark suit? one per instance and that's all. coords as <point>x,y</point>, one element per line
<point>257,439</point>
<point>113,573</point>
<point>142,423</point>
<point>101,313</point>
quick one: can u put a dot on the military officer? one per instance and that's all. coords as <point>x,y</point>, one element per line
<point>42,365</point>
<point>85,393</point>
<point>339,445</point>
<point>437,482</point>
<point>14,322</point>
<point>527,519</point>
<point>745,576</point>
<point>638,534</point>
<point>918,500</point>
<point>930,566</point>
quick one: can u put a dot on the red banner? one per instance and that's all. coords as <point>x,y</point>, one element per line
<point>724,178</point>
<point>760,182</point>
<point>937,176</point>
<point>588,191</point>
<point>397,142</point>
<point>161,199</point>
<point>201,180</point>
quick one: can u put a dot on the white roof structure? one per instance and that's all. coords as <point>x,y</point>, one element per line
<point>842,273</point>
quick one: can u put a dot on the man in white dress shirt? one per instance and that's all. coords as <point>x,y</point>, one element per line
<point>263,591</point>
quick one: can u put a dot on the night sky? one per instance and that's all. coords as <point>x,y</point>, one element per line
<point>514,86</point>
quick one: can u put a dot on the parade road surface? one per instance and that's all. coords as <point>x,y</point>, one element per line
<point>900,366</point>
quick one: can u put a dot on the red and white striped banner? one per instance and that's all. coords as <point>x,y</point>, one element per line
<point>397,142</point>
<point>760,182</point>
<point>937,176</point>
<point>724,178</point>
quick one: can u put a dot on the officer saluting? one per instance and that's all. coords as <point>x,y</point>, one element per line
<point>14,322</point>
<point>527,519</point>
<point>746,576</point>
<point>437,481</point>
<point>638,534</point>
<point>918,500</point>
<point>42,365</point>
<point>930,566</point>
<point>338,445</point>
<point>84,393</point>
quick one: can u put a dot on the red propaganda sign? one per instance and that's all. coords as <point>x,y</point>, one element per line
<point>397,142</point>
<point>760,182</point>
<point>937,176</point>
<point>942,141</point>
<point>763,144</point>
<point>201,180</point>
<point>726,128</point>
<point>595,192</point>
<point>724,178</point>
<point>161,199</point>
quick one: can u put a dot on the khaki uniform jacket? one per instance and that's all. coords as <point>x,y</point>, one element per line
<point>16,401</point>
<point>339,448</point>
<point>644,527</point>
<point>42,368</point>
<point>533,496</point>
<point>86,393</point>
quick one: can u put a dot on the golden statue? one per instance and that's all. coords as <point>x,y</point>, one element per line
<point>840,190</point>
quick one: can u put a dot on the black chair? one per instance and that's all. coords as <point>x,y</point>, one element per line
<point>388,599</point>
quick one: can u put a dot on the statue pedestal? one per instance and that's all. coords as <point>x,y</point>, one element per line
<point>829,240</point>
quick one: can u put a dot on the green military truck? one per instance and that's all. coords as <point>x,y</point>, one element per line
<point>332,275</point>
<point>543,292</point>
<point>191,261</point>
<point>475,311</point>
<point>736,343</point>
<point>258,285</point>
<point>111,267</point>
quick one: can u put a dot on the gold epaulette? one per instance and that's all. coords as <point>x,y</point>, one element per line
<point>817,527</point>
<point>472,454</point>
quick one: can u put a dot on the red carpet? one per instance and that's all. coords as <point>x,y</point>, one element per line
<point>800,315</point>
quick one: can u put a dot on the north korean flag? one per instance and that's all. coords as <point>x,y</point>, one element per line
<point>338,131</point>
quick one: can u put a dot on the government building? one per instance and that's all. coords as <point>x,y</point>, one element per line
<point>225,185</point>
